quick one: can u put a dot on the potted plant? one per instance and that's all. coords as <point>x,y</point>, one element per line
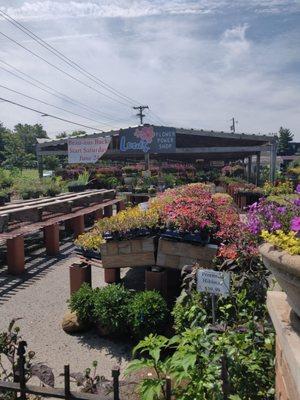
<point>3,197</point>
<point>80,184</point>
<point>279,226</point>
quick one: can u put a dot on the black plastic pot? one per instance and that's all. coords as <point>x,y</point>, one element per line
<point>76,188</point>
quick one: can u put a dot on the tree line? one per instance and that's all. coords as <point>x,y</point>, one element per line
<point>17,146</point>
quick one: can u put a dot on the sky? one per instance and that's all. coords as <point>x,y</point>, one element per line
<point>195,63</point>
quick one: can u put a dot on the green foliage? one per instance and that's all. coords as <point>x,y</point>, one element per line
<point>51,162</point>
<point>111,308</point>
<point>195,363</point>
<point>189,311</point>
<point>285,137</point>
<point>148,313</point>
<point>82,302</point>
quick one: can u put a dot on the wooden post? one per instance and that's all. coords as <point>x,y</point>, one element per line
<point>67,382</point>
<point>108,211</point>
<point>78,225</point>
<point>112,275</point>
<point>257,180</point>
<point>79,273</point>
<point>98,214</point>
<point>249,169</point>
<point>20,373</point>
<point>120,206</point>
<point>115,375</point>
<point>51,239</point>
<point>273,154</point>
<point>40,165</point>
<point>15,255</point>
<point>147,161</point>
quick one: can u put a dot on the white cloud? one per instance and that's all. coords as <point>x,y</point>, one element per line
<point>54,9</point>
<point>235,41</point>
<point>193,70</point>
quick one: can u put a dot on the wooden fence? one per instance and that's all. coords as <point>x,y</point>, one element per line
<point>20,385</point>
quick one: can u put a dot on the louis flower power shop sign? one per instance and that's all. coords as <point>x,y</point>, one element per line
<point>147,139</point>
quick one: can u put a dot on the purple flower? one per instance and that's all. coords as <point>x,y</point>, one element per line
<point>298,188</point>
<point>297,202</point>
<point>295,224</point>
<point>281,210</point>
<point>276,225</point>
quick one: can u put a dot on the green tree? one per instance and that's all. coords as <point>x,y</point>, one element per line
<point>29,134</point>
<point>62,135</point>
<point>77,133</point>
<point>15,154</point>
<point>285,137</point>
<point>51,162</point>
<point>4,132</point>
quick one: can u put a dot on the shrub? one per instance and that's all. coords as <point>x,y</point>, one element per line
<point>82,302</point>
<point>148,313</point>
<point>111,308</point>
<point>189,312</point>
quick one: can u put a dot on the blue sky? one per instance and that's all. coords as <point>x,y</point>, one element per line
<point>195,63</point>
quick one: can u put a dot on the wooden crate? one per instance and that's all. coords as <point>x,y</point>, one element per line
<point>172,254</point>
<point>128,253</point>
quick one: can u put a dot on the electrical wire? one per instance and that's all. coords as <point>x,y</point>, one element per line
<point>62,71</point>
<point>55,92</point>
<point>72,63</point>
<point>49,115</point>
<point>66,59</point>
<point>52,105</point>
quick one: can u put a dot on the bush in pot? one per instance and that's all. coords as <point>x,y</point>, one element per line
<point>82,302</point>
<point>147,313</point>
<point>110,310</point>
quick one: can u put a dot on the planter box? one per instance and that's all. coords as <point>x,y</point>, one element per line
<point>173,254</point>
<point>128,253</point>
<point>156,279</point>
<point>286,269</point>
<point>79,273</point>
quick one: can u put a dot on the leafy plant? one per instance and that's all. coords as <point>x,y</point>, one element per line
<point>147,313</point>
<point>111,308</point>
<point>82,302</point>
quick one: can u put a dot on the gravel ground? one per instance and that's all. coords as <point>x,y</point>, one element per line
<point>39,299</point>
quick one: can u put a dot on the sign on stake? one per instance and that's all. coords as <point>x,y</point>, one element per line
<point>215,283</point>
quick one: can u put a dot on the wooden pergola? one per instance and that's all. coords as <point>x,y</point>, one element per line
<point>191,145</point>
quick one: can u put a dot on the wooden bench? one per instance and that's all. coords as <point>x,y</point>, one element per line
<point>50,226</point>
<point>34,212</point>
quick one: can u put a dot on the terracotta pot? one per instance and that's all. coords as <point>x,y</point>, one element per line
<point>286,269</point>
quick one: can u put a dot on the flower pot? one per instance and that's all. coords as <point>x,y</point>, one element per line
<point>286,269</point>
<point>76,188</point>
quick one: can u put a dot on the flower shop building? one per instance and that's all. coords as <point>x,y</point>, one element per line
<point>167,143</point>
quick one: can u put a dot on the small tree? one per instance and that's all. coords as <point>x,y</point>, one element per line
<point>285,137</point>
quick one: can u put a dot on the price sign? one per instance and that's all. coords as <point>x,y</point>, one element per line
<point>213,282</point>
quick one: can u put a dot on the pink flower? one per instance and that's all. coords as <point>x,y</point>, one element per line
<point>145,133</point>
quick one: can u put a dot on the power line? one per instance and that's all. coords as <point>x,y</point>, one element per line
<point>61,70</point>
<point>50,115</point>
<point>72,63</point>
<point>66,59</point>
<point>55,92</point>
<point>52,105</point>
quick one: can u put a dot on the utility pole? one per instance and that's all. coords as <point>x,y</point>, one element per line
<point>232,127</point>
<point>140,113</point>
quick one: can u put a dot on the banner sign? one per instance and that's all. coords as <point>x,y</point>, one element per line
<point>146,139</point>
<point>214,282</point>
<point>87,150</point>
